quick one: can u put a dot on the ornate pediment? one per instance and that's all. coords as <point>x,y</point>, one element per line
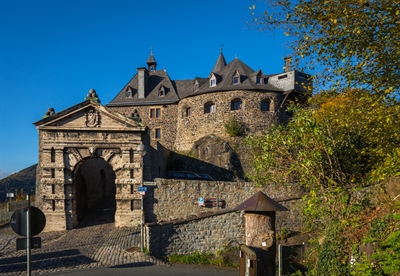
<point>89,115</point>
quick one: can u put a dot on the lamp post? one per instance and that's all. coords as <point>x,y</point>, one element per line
<point>142,152</point>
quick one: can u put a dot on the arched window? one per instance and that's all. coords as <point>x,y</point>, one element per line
<point>236,104</point>
<point>209,107</point>
<point>265,105</point>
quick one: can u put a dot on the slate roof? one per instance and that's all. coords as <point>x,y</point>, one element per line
<point>247,79</point>
<point>179,89</point>
<point>154,82</point>
<point>220,64</point>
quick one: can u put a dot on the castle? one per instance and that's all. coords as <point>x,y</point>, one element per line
<point>90,151</point>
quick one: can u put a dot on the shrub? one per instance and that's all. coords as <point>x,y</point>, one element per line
<point>234,127</point>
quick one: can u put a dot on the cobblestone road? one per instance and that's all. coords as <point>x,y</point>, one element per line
<point>95,243</point>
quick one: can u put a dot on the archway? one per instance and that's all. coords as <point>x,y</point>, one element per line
<point>93,185</point>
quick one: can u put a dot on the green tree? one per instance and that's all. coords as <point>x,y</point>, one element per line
<point>339,142</point>
<point>356,42</point>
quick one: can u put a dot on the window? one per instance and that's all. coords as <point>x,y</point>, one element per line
<point>213,81</point>
<point>131,156</point>
<point>282,77</point>
<point>128,92</point>
<point>265,105</point>
<point>236,78</point>
<point>209,107</point>
<point>259,80</point>
<point>155,113</point>
<point>161,92</point>
<point>157,133</point>
<point>53,155</point>
<point>236,104</point>
<point>188,111</point>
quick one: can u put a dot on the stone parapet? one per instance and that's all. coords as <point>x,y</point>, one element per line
<point>172,198</point>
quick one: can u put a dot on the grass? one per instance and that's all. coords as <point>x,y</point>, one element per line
<point>202,259</point>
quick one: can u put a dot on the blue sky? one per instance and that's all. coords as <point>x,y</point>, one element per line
<point>53,52</point>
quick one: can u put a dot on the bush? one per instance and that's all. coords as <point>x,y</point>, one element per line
<point>234,127</point>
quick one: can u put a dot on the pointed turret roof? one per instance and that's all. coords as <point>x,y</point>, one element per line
<point>151,61</point>
<point>220,64</point>
<point>260,202</point>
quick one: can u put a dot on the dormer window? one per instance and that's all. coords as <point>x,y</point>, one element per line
<point>236,78</point>
<point>161,91</point>
<point>213,81</point>
<point>259,80</point>
<point>128,92</point>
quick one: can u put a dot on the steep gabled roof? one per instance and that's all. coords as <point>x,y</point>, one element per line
<point>151,96</point>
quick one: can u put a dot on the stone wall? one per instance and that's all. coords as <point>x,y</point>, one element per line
<point>176,199</point>
<point>199,124</point>
<point>204,234</point>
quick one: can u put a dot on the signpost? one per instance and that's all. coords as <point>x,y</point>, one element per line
<point>21,223</point>
<point>142,190</point>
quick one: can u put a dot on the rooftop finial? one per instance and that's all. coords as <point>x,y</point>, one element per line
<point>222,48</point>
<point>236,56</point>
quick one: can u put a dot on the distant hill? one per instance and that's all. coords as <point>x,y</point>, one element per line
<point>24,179</point>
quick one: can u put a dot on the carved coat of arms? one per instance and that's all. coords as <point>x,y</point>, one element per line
<point>92,118</point>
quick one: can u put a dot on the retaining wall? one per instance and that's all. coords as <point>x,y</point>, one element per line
<point>176,224</point>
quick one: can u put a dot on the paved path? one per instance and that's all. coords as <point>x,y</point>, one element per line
<point>95,243</point>
<point>173,270</point>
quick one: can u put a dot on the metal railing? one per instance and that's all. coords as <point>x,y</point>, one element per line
<point>248,261</point>
<point>4,215</point>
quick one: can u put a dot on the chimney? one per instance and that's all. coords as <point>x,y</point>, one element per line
<point>143,75</point>
<point>288,61</point>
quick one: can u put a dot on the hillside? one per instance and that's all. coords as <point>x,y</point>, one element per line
<point>24,179</point>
